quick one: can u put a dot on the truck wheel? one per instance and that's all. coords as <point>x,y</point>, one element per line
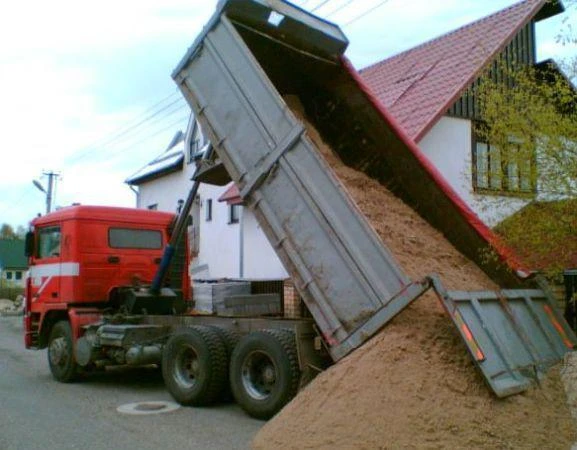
<point>230,340</point>
<point>194,366</point>
<point>60,353</point>
<point>264,372</point>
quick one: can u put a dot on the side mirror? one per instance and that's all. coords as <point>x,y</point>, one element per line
<point>29,244</point>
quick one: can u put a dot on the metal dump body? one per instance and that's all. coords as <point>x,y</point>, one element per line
<point>349,281</point>
<point>250,55</point>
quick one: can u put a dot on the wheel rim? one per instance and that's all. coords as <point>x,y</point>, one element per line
<point>59,352</point>
<point>186,367</point>
<point>259,375</point>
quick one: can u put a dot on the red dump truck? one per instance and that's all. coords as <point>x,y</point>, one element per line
<point>110,286</point>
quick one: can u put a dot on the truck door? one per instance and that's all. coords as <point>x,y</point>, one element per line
<point>45,272</point>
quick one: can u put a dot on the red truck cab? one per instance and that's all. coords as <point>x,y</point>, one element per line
<point>80,256</point>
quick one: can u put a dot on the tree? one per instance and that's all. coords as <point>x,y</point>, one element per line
<point>529,117</point>
<point>7,232</point>
<point>532,117</point>
<point>20,232</point>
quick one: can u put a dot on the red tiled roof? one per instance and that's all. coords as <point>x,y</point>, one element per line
<point>419,85</point>
<point>231,195</point>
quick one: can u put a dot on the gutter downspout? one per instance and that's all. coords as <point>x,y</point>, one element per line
<point>137,193</point>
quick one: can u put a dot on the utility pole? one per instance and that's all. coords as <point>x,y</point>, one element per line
<point>49,191</point>
<point>52,177</point>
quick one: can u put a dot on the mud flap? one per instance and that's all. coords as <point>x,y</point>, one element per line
<point>514,336</point>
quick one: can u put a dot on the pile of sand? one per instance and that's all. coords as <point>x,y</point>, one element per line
<point>414,385</point>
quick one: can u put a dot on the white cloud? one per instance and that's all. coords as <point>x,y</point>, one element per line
<point>62,26</point>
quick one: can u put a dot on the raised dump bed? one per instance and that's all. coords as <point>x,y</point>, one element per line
<point>251,55</point>
<point>347,278</point>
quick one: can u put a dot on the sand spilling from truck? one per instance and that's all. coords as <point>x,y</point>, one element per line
<point>414,385</point>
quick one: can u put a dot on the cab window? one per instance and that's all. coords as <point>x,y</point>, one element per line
<point>48,242</point>
<point>131,238</point>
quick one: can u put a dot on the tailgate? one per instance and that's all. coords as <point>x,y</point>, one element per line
<point>514,335</point>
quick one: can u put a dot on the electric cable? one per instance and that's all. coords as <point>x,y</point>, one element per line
<point>340,8</point>
<point>127,148</point>
<point>119,139</point>
<point>115,137</point>
<point>370,10</point>
<point>320,5</point>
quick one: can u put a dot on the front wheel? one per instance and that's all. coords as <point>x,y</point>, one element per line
<point>60,353</point>
<point>264,372</point>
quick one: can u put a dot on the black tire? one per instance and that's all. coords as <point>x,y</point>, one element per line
<point>194,366</point>
<point>230,339</point>
<point>264,372</point>
<point>61,354</point>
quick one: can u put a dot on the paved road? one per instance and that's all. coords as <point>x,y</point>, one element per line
<point>36,412</point>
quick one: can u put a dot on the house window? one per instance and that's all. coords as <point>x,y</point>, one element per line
<point>193,150</point>
<point>196,143</point>
<point>48,242</point>
<point>208,210</point>
<point>18,275</point>
<point>504,172</point>
<point>8,275</point>
<point>233,213</point>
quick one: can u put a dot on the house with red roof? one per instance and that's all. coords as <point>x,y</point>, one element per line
<point>428,89</point>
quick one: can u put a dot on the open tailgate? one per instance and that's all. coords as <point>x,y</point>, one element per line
<point>514,335</point>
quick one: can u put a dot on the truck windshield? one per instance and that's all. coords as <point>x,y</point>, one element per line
<point>131,238</point>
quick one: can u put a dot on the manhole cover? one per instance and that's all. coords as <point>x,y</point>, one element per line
<point>141,408</point>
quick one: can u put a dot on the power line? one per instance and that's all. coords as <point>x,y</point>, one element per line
<point>18,202</point>
<point>123,129</point>
<point>340,8</point>
<point>146,111</point>
<point>320,5</point>
<point>114,140</point>
<point>156,133</point>
<point>29,191</point>
<point>370,10</point>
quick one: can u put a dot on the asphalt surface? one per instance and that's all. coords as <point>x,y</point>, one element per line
<point>36,412</point>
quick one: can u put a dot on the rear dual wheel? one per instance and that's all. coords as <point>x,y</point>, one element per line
<point>264,372</point>
<point>198,363</point>
<point>194,366</point>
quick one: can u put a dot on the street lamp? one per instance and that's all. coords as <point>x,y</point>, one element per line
<point>39,186</point>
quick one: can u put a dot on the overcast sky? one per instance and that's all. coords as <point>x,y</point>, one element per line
<point>77,78</point>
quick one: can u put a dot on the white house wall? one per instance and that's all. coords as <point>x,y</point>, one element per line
<point>448,146</point>
<point>219,249</point>
<point>219,241</point>
<point>165,191</point>
<point>260,260</point>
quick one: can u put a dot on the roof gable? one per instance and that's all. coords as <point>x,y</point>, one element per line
<point>419,85</point>
<point>170,161</point>
<point>12,254</point>
<point>231,196</point>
